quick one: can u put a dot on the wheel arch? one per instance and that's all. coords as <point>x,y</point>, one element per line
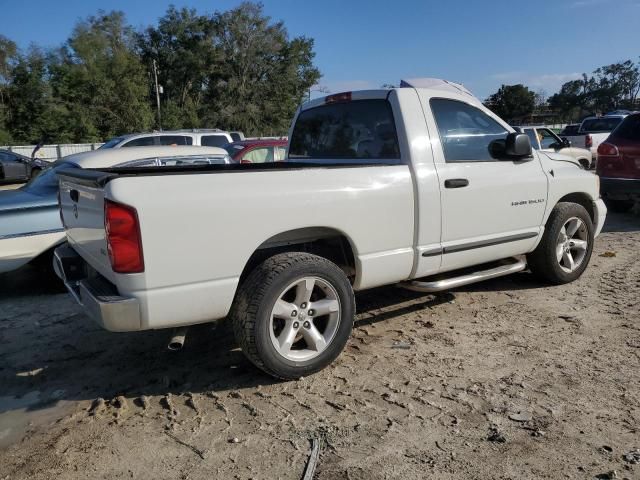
<point>583,199</point>
<point>327,242</point>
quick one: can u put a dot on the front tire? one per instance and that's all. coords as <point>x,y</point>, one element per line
<point>293,314</point>
<point>566,246</point>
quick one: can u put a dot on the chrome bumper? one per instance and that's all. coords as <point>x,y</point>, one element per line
<point>97,295</point>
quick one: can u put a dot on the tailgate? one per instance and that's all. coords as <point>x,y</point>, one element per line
<point>82,210</point>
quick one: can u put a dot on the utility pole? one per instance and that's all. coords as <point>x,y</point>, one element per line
<point>155,80</point>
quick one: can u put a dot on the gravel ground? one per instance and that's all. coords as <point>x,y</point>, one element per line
<point>505,379</point>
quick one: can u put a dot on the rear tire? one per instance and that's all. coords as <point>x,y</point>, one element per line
<point>293,314</point>
<point>566,246</point>
<point>620,206</point>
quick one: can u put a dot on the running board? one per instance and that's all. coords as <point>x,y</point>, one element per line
<point>514,265</point>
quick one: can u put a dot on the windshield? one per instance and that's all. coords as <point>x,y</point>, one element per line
<point>111,143</point>
<point>47,182</point>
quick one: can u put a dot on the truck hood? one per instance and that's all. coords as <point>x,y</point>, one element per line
<point>559,157</point>
<point>14,200</point>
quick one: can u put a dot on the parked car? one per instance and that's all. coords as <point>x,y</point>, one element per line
<point>403,186</point>
<point>570,130</point>
<point>543,138</point>
<point>30,225</point>
<point>16,168</point>
<point>593,131</point>
<point>201,137</point>
<point>619,165</point>
<point>257,151</point>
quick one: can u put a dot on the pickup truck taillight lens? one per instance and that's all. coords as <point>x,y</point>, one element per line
<point>588,141</point>
<point>608,150</point>
<point>123,238</point>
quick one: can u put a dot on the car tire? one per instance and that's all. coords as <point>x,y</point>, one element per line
<point>293,314</point>
<point>563,253</point>
<point>620,206</point>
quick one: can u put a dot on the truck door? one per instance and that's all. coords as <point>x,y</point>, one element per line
<point>491,208</point>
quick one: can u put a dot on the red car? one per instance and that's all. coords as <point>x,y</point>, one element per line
<point>619,165</point>
<point>257,151</point>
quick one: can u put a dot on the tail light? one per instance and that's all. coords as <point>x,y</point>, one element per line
<point>338,97</point>
<point>588,141</point>
<point>123,238</point>
<point>608,150</point>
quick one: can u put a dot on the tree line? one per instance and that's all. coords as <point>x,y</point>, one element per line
<point>608,88</point>
<point>235,70</point>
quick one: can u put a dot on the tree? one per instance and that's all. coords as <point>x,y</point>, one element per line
<point>8,56</point>
<point>512,102</point>
<point>262,76</point>
<point>100,81</point>
<point>184,46</point>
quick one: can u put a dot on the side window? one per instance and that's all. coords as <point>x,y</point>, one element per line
<point>465,131</point>
<point>361,130</point>
<point>533,137</point>
<point>280,154</point>
<point>259,155</point>
<point>214,140</point>
<point>175,140</point>
<point>139,142</point>
<point>547,137</point>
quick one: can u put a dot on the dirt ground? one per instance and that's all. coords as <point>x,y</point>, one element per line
<point>508,379</point>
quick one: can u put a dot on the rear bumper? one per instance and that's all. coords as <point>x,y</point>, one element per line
<point>609,185</point>
<point>97,295</point>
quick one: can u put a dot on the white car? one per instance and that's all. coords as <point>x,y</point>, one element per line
<point>420,186</point>
<point>201,137</point>
<point>30,225</point>
<point>543,138</point>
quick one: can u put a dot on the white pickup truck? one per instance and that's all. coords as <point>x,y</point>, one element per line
<point>419,186</point>
<point>593,131</point>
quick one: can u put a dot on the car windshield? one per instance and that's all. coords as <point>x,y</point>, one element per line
<point>602,124</point>
<point>47,182</point>
<point>111,143</point>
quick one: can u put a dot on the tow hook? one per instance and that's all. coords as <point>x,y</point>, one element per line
<point>177,339</point>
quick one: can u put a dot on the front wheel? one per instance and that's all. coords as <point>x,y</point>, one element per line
<point>293,314</point>
<point>565,249</point>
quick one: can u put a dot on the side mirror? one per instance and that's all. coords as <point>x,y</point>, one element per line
<point>566,143</point>
<point>517,145</point>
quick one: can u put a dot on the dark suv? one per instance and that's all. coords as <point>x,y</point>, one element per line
<point>619,165</point>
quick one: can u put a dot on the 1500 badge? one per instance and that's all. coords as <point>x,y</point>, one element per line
<point>527,202</point>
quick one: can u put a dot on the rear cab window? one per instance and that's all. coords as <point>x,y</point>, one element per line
<point>603,124</point>
<point>359,131</point>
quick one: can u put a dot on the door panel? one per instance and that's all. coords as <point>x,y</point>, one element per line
<point>491,209</point>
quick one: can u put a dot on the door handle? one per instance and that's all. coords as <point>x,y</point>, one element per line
<point>74,194</point>
<point>456,183</point>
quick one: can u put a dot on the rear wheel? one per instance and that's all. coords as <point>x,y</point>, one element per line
<point>565,249</point>
<point>293,314</point>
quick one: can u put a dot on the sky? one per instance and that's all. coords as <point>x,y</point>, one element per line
<point>365,44</point>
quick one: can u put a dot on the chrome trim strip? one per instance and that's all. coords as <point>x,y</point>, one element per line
<point>432,252</point>
<point>31,234</point>
<point>488,243</point>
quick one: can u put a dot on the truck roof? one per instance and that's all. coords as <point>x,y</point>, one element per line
<point>434,85</point>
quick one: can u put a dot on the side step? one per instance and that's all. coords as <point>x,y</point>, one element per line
<point>510,265</point>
